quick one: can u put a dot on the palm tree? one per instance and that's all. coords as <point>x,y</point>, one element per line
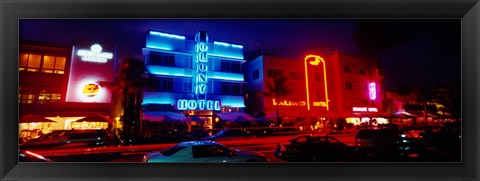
<point>277,90</point>
<point>133,78</point>
<point>406,91</point>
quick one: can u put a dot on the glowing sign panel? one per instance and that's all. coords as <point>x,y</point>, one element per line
<point>91,90</point>
<point>201,61</point>
<point>95,54</point>
<point>320,104</point>
<point>90,65</point>
<point>288,103</point>
<point>184,104</point>
<point>365,109</point>
<point>372,91</point>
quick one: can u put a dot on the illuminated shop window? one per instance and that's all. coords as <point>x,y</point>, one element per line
<point>232,109</point>
<point>163,59</point>
<point>272,73</point>
<point>256,74</point>
<point>346,69</point>
<point>49,94</point>
<point>348,86</point>
<point>230,66</point>
<point>27,94</point>
<point>296,75</point>
<point>163,84</point>
<point>53,64</point>
<point>231,88</point>
<point>187,85</point>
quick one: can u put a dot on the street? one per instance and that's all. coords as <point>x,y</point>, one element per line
<point>265,145</point>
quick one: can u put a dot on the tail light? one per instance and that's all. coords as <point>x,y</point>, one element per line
<point>282,148</point>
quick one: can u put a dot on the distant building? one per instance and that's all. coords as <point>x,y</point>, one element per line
<point>61,82</point>
<point>194,75</point>
<point>339,85</point>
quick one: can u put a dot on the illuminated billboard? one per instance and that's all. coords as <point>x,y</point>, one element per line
<point>91,63</point>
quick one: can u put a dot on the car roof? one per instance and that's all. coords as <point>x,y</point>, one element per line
<point>194,143</point>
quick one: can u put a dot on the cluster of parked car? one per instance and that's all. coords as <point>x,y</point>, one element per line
<point>381,143</point>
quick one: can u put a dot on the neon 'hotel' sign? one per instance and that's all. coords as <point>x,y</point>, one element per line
<point>200,79</point>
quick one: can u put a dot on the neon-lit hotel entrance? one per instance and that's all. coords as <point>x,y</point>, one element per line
<point>194,77</point>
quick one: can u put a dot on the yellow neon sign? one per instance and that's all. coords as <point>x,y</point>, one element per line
<point>317,61</point>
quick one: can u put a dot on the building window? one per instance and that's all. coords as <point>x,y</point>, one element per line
<point>346,69</point>
<point>53,64</point>
<point>273,73</point>
<point>230,66</point>
<point>27,94</point>
<point>256,74</point>
<point>30,62</point>
<point>231,88</point>
<point>210,64</point>
<point>158,107</point>
<point>49,63</point>
<point>296,75</point>
<point>348,85</point>
<point>187,85</point>
<point>163,59</point>
<point>361,71</point>
<point>49,94</point>
<point>163,84</point>
<point>210,87</point>
<point>188,61</point>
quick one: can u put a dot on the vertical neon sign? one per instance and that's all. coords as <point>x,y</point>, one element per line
<point>201,61</point>
<point>315,62</point>
<point>372,91</point>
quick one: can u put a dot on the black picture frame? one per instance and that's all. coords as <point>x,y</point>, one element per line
<point>12,11</point>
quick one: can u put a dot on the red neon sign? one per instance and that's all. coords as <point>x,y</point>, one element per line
<point>316,62</point>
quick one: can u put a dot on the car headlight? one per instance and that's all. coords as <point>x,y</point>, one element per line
<point>145,159</point>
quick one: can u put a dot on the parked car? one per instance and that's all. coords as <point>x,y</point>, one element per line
<point>203,151</point>
<point>315,148</point>
<point>447,137</point>
<point>28,156</point>
<point>230,134</point>
<point>70,138</point>
<point>165,136</point>
<point>388,144</point>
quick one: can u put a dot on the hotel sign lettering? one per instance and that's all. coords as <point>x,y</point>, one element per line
<point>201,62</point>
<point>200,79</point>
<point>297,103</point>
<point>184,104</point>
<point>364,109</point>
<point>95,54</point>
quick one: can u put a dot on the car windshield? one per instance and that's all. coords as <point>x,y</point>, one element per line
<point>172,150</point>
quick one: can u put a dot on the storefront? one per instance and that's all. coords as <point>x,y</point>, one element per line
<point>66,84</point>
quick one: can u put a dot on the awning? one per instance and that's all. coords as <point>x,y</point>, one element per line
<point>163,116</point>
<point>374,114</point>
<point>33,118</point>
<point>235,117</point>
<point>96,118</point>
